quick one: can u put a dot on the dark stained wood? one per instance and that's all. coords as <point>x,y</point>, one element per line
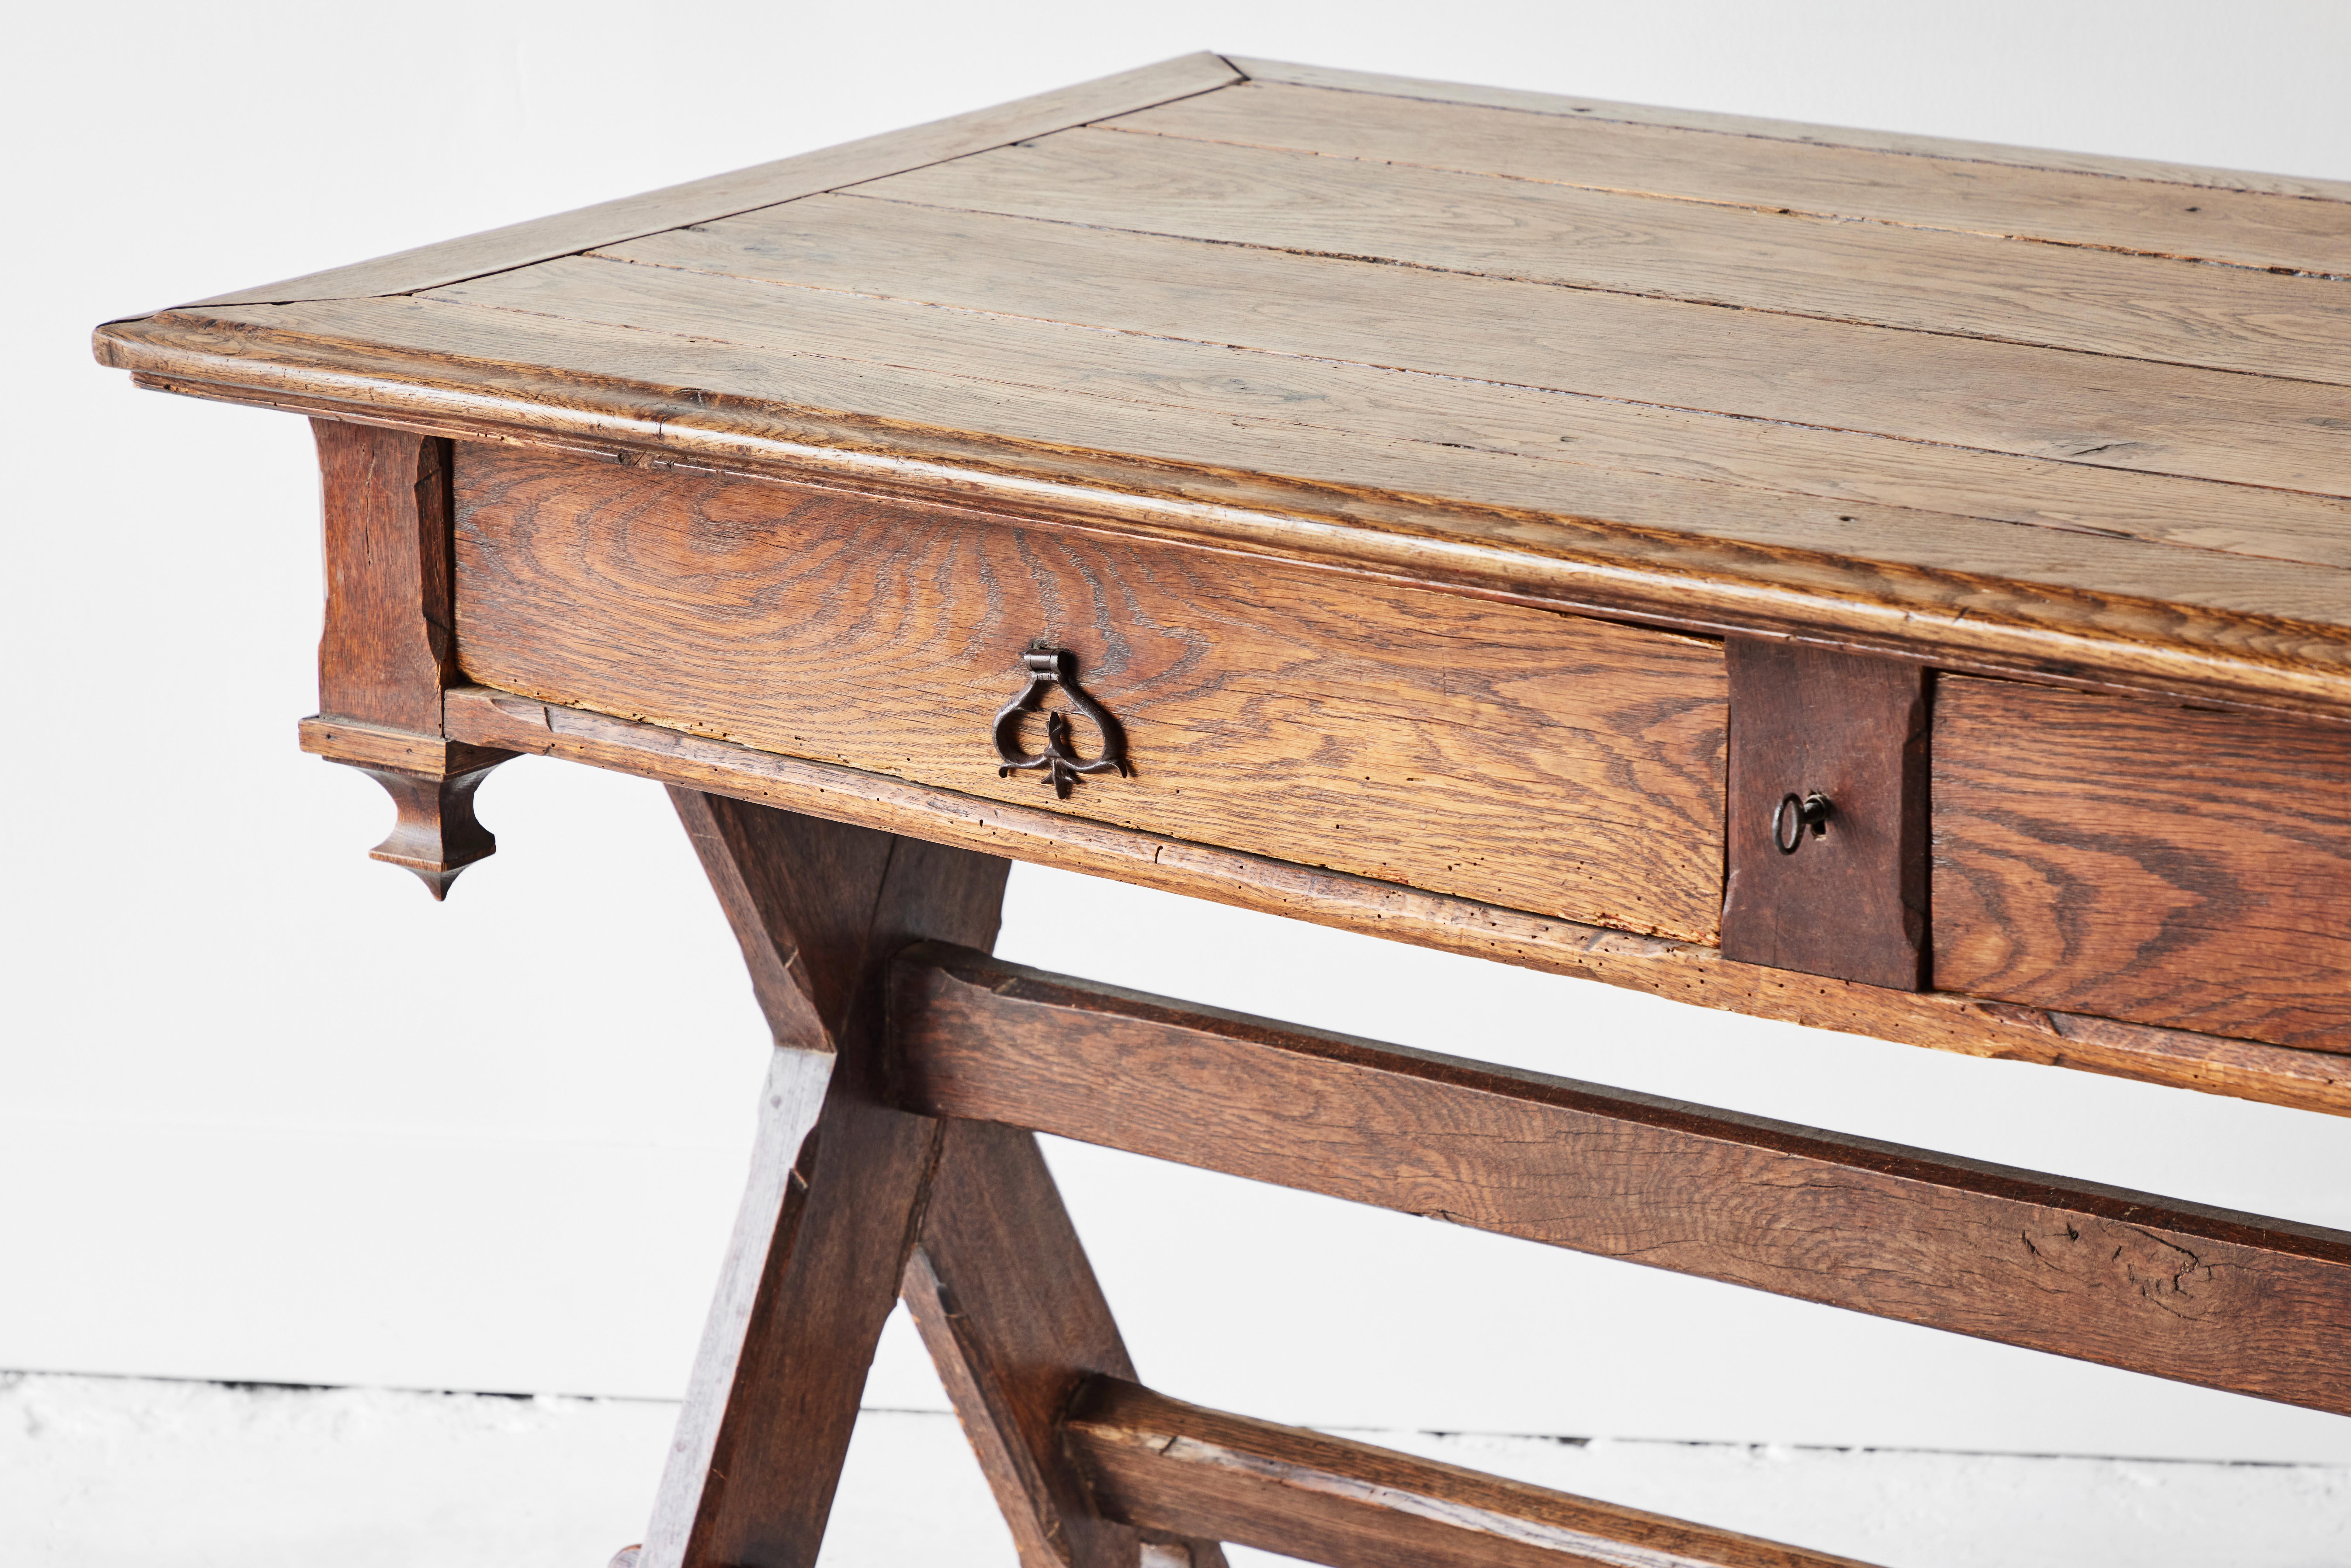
<point>1751,127</point>
<point>1850,900</point>
<point>1016,1324</point>
<point>837,1181</point>
<point>2228,1300</point>
<point>437,835</point>
<point>1679,970</point>
<point>387,649</point>
<point>2147,862</point>
<point>1681,553</point>
<point>1383,731</point>
<point>699,201</point>
<point>1598,147</point>
<point>1159,1461</point>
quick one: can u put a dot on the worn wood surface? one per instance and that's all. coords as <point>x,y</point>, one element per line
<point>1280,337</point>
<point>1752,127</point>
<point>1594,146</point>
<point>1159,1461</point>
<point>837,1180</point>
<point>2146,308</point>
<point>699,201</point>
<point>386,651</point>
<point>2066,417</point>
<point>1550,763</point>
<point>1685,553</point>
<point>1680,349</point>
<point>2147,862</point>
<point>2228,1301</point>
<point>1015,1322</point>
<point>1845,897</point>
<point>1682,971</point>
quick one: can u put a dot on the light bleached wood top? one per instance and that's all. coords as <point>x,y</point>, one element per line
<point>2076,417</point>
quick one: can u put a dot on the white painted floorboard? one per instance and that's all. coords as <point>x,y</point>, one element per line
<point>107,1472</point>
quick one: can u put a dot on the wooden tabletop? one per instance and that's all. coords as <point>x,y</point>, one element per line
<point>2080,418</point>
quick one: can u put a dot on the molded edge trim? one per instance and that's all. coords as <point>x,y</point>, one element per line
<point>1709,586</point>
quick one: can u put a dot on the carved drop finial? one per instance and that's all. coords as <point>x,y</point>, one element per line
<point>437,835</point>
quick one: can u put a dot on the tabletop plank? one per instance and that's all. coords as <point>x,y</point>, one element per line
<point>1325,309</point>
<point>1997,396</point>
<point>1079,431</point>
<point>698,201</point>
<point>1682,552</point>
<point>2064,296</point>
<point>1789,130</point>
<point>1449,411</point>
<point>2248,228</point>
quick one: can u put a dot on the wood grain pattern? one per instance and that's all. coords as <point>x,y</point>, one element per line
<point>2228,1301</point>
<point>1563,765</point>
<point>1158,1460</point>
<point>1679,554</point>
<point>2305,1080</point>
<point>2158,864</point>
<point>386,651</point>
<point>1850,899</point>
<point>1016,1324</point>
<point>2086,300</point>
<point>837,1181</point>
<point>1794,131</point>
<point>698,201</point>
<point>1188,308</point>
<point>1599,152</point>
<point>2001,397</point>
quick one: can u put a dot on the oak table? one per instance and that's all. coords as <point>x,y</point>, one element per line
<point>1896,585</point>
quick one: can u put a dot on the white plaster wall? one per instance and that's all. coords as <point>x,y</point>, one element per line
<point>267,1112</point>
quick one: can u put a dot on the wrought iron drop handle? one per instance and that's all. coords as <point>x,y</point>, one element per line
<point>1048,667</point>
<point>1795,814</point>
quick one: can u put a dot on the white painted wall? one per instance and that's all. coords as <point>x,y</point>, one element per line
<point>267,1112</point>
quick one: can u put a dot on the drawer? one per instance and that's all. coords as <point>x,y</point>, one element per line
<point>1542,761</point>
<point>2159,864</point>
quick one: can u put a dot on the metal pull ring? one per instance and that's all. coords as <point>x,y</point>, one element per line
<point>1048,667</point>
<point>1793,814</point>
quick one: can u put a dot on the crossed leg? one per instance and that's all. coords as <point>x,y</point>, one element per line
<point>848,1198</point>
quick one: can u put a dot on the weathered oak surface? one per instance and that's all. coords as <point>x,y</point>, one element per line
<point>1772,167</point>
<point>698,201</point>
<point>1547,762</point>
<point>2228,1300</point>
<point>2149,862</point>
<point>1159,1461</point>
<point>2061,416</point>
<point>1793,135</point>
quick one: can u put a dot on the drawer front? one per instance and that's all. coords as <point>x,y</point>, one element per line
<point>2159,864</point>
<point>1540,761</point>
